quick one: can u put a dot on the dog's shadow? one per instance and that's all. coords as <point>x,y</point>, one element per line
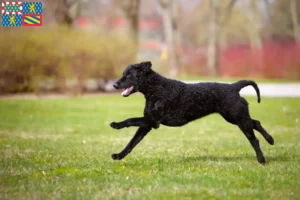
<point>199,160</point>
<point>226,159</point>
<point>214,158</point>
<point>248,157</point>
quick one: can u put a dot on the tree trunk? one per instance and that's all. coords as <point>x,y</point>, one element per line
<point>177,34</point>
<point>215,30</point>
<point>131,10</point>
<point>132,15</point>
<point>169,36</point>
<point>66,12</point>
<point>214,39</point>
<point>134,28</point>
<point>254,18</point>
<point>294,13</point>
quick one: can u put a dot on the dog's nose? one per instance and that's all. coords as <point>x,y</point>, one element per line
<point>116,85</point>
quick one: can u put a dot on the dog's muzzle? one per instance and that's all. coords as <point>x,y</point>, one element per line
<point>116,85</point>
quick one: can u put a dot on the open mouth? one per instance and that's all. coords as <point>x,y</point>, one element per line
<point>127,91</point>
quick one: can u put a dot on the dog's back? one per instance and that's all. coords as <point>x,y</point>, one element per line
<point>193,101</point>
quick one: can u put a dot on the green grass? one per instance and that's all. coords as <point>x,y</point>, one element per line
<point>60,149</point>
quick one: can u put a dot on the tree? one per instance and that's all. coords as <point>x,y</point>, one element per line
<point>295,19</point>
<point>215,30</point>
<point>65,11</point>
<point>254,17</point>
<point>170,12</point>
<point>284,18</point>
<point>131,8</point>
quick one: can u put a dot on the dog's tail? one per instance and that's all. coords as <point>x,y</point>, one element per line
<point>243,83</point>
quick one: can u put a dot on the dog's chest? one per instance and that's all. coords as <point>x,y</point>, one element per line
<point>150,107</point>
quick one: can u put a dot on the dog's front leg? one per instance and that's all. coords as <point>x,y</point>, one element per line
<point>139,121</point>
<point>139,135</point>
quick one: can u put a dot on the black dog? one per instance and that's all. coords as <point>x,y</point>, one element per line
<point>174,103</point>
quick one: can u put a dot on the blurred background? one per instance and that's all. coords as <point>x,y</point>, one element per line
<point>84,45</point>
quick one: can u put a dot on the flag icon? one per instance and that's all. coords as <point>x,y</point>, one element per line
<point>32,7</point>
<point>32,20</point>
<point>11,8</point>
<point>11,20</point>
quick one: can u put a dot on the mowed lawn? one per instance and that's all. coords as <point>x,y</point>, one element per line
<point>61,149</point>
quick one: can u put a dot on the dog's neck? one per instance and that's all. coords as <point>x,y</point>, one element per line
<point>150,84</point>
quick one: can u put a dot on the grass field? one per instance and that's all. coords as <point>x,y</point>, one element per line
<point>60,149</point>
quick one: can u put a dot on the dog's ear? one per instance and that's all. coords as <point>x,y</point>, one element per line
<point>143,65</point>
<point>147,64</point>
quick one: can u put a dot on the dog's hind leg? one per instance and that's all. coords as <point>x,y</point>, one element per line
<point>139,135</point>
<point>247,129</point>
<point>246,126</point>
<point>228,119</point>
<point>239,114</point>
<point>257,126</point>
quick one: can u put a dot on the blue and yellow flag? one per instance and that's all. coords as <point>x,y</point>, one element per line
<point>32,7</point>
<point>32,20</point>
<point>11,20</point>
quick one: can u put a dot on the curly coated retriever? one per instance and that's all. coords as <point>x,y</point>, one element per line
<point>174,103</point>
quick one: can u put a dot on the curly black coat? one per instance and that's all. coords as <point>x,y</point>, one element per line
<point>174,103</point>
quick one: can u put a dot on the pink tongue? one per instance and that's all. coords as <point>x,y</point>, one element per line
<point>127,91</point>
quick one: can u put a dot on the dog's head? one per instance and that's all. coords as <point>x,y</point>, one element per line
<point>132,77</point>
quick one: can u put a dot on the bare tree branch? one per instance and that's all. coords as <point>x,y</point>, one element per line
<point>296,26</point>
<point>171,34</point>
<point>131,9</point>
<point>65,11</point>
<point>164,3</point>
<point>227,13</point>
<point>213,42</point>
<point>215,31</point>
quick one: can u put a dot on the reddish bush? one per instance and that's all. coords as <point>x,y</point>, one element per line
<point>274,60</point>
<point>280,60</point>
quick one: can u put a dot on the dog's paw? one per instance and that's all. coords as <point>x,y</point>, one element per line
<point>116,125</point>
<point>261,160</point>
<point>116,156</point>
